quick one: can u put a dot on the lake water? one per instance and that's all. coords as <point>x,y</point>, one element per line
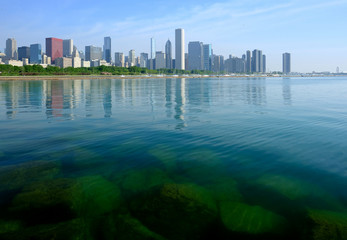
<point>211,158</point>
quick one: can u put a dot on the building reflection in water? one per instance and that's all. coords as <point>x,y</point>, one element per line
<point>286,91</point>
<point>107,98</point>
<point>256,91</point>
<point>180,101</point>
<point>168,97</point>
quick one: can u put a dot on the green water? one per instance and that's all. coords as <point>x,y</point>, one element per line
<point>210,158</point>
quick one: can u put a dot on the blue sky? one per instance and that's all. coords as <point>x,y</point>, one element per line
<point>313,31</point>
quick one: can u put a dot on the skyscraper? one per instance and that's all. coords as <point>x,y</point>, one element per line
<point>23,52</point>
<point>119,60</point>
<point>67,47</point>
<point>179,49</point>
<point>35,54</point>
<point>54,48</point>
<point>11,49</point>
<point>152,48</point>
<point>286,63</point>
<point>207,52</point>
<point>264,63</point>
<point>93,53</point>
<point>144,60</point>
<point>168,53</point>
<point>131,58</point>
<point>257,60</point>
<point>107,49</point>
<point>260,60</point>
<point>248,62</point>
<point>195,56</point>
<point>160,61</point>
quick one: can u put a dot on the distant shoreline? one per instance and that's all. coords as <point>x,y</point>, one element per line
<point>82,77</point>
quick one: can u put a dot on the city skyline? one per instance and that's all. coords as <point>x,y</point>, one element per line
<point>311,31</point>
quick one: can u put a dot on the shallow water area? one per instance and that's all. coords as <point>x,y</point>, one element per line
<point>210,158</point>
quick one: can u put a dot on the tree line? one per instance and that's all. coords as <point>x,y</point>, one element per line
<point>9,70</point>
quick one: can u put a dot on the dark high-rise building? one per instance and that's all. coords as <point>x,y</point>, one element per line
<point>248,62</point>
<point>257,61</point>
<point>54,48</point>
<point>207,52</point>
<point>286,63</point>
<point>67,47</point>
<point>35,54</point>
<point>107,49</point>
<point>93,53</point>
<point>195,56</point>
<point>168,53</point>
<point>264,63</point>
<point>23,52</point>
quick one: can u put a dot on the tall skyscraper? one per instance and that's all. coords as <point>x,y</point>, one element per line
<point>160,61</point>
<point>257,60</point>
<point>248,62</point>
<point>152,48</point>
<point>54,48</point>
<point>23,52</point>
<point>179,49</point>
<point>11,49</point>
<point>264,63</point>
<point>207,52</point>
<point>144,60</point>
<point>131,59</point>
<point>67,47</point>
<point>286,63</point>
<point>195,56</point>
<point>119,60</point>
<point>93,53</point>
<point>168,53</point>
<point>107,49</point>
<point>35,54</point>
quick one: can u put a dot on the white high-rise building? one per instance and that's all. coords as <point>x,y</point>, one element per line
<point>132,61</point>
<point>11,49</point>
<point>67,47</point>
<point>152,48</point>
<point>119,60</point>
<point>179,49</point>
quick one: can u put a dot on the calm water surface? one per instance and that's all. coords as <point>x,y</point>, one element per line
<point>215,158</point>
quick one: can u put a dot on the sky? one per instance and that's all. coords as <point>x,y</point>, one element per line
<point>313,31</point>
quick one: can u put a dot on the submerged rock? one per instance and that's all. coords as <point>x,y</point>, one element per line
<point>70,230</point>
<point>328,225</point>
<point>224,189</point>
<point>124,227</point>
<point>165,156</point>
<point>176,211</point>
<point>63,199</point>
<point>16,176</point>
<point>240,217</point>
<point>143,180</point>
<point>9,226</point>
<point>297,189</point>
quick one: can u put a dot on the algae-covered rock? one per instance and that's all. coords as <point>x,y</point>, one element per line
<point>291,188</point>
<point>94,195</point>
<point>240,217</point>
<point>142,180</point>
<point>16,176</point>
<point>201,166</point>
<point>45,202</point>
<point>224,189</point>
<point>63,199</point>
<point>176,211</point>
<point>126,227</point>
<point>297,189</point>
<point>9,226</point>
<point>165,156</point>
<point>71,230</point>
<point>328,225</point>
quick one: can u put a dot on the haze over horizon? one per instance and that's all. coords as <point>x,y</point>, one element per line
<point>312,31</point>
